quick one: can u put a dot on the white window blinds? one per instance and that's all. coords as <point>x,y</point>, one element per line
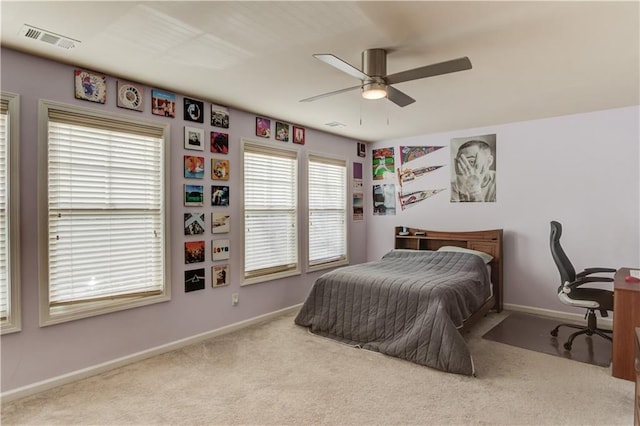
<point>327,189</point>
<point>270,211</point>
<point>5,290</point>
<point>105,208</point>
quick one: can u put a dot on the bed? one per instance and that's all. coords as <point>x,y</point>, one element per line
<point>416,301</point>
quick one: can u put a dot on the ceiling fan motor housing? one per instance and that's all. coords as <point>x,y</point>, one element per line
<point>374,63</point>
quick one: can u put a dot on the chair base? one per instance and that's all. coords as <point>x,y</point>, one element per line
<point>589,330</point>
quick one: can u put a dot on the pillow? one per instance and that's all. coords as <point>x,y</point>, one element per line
<point>486,257</point>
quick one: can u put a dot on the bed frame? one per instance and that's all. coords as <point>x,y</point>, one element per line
<point>486,241</point>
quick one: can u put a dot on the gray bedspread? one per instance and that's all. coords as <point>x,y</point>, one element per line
<point>408,305</point>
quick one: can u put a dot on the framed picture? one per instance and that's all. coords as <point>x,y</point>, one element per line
<point>219,116</point>
<point>220,142</point>
<point>130,96</point>
<point>193,138</point>
<point>90,86</point>
<point>193,252</point>
<point>263,127</point>
<point>219,275</point>
<point>220,223</point>
<point>282,132</point>
<point>219,169</point>
<point>219,195</point>
<point>219,249</point>
<point>362,149</point>
<point>193,223</point>
<point>193,110</point>
<point>298,135</point>
<point>193,167</point>
<point>163,103</point>
<point>194,280</point>
<point>193,195</point>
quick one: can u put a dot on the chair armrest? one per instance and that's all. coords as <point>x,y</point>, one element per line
<point>589,271</point>
<point>584,280</point>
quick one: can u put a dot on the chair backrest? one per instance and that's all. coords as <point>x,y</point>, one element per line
<point>567,272</point>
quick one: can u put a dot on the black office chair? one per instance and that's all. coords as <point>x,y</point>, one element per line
<point>572,293</point>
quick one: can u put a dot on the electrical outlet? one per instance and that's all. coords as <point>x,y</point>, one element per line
<point>234,299</point>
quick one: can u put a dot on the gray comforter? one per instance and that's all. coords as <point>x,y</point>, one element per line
<point>408,305</point>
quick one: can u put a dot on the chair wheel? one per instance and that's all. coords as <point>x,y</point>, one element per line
<point>567,346</point>
<point>554,333</point>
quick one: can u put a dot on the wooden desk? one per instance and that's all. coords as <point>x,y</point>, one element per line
<point>626,317</point>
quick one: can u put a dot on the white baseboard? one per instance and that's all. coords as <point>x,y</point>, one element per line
<point>563,316</point>
<point>34,388</point>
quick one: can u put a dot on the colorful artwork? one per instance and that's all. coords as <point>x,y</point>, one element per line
<point>220,223</point>
<point>384,200</point>
<point>219,195</point>
<point>219,143</point>
<point>130,96</point>
<point>358,206</point>
<point>383,163</point>
<point>193,252</point>
<point>193,167</point>
<point>282,132</point>
<point>193,110</point>
<point>193,195</point>
<point>193,223</point>
<point>219,169</point>
<point>298,135</point>
<point>163,103</point>
<point>263,127</point>
<point>219,249</point>
<point>194,280</point>
<point>90,87</point>
<point>219,116</point>
<point>410,153</point>
<point>219,275</point>
<point>410,199</point>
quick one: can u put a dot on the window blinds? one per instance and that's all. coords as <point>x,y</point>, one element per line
<point>327,184</point>
<point>5,293</point>
<point>105,206</point>
<point>270,210</point>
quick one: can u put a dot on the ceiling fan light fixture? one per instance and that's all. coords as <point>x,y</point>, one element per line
<point>374,90</point>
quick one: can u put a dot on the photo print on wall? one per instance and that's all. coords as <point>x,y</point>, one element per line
<point>194,280</point>
<point>90,86</point>
<point>193,195</point>
<point>130,96</point>
<point>219,116</point>
<point>383,163</point>
<point>263,127</point>
<point>193,252</point>
<point>220,222</point>
<point>163,103</point>
<point>219,249</point>
<point>219,275</point>
<point>193,167</point>
<point>473,169</point>
<point>193,223</point>
<point>193,138</point>
<point>193,110</point>
<point>298,135</point>
<point>384,200</point>
<point>219,195</point>
<point>219,169</point>
<point>282,131</point>
<point>219,143</point>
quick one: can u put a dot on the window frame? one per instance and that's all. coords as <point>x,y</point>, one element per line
<point>293,153</point>
<point>88,309</point>
<point>13,322</point>
<point>338,262</point>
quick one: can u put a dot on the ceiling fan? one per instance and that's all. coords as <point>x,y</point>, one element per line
<point>374,81</point>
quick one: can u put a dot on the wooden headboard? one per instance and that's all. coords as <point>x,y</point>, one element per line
<point>485,241</point>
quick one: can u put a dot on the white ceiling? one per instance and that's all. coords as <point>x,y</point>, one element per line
<point>530,59</point>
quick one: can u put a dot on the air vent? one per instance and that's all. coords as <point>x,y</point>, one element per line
<point>48,37</point>
<point>335,124</point>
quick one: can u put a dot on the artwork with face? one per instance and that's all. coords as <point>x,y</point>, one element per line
<point>473,171</point>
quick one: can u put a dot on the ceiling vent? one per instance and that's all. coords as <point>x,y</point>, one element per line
<point>48,37</point>
<point>335,124</point>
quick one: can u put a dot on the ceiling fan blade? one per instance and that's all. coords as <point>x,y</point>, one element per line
<point>324,95</point>
<point>399,98</point>
<point>338,63</point>
<point>446,67</point>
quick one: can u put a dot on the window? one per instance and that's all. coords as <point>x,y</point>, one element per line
<point>104,213</point>
<point>270,212</point>
<point>327,192</point>
<point>10,318</point>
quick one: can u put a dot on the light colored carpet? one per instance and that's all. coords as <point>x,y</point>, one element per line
<point>277,373</point>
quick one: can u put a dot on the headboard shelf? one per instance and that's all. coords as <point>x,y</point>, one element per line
<point>489,241</point>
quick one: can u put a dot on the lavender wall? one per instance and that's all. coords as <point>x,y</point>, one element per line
<point>581,170</point>
<point>36,354</point>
